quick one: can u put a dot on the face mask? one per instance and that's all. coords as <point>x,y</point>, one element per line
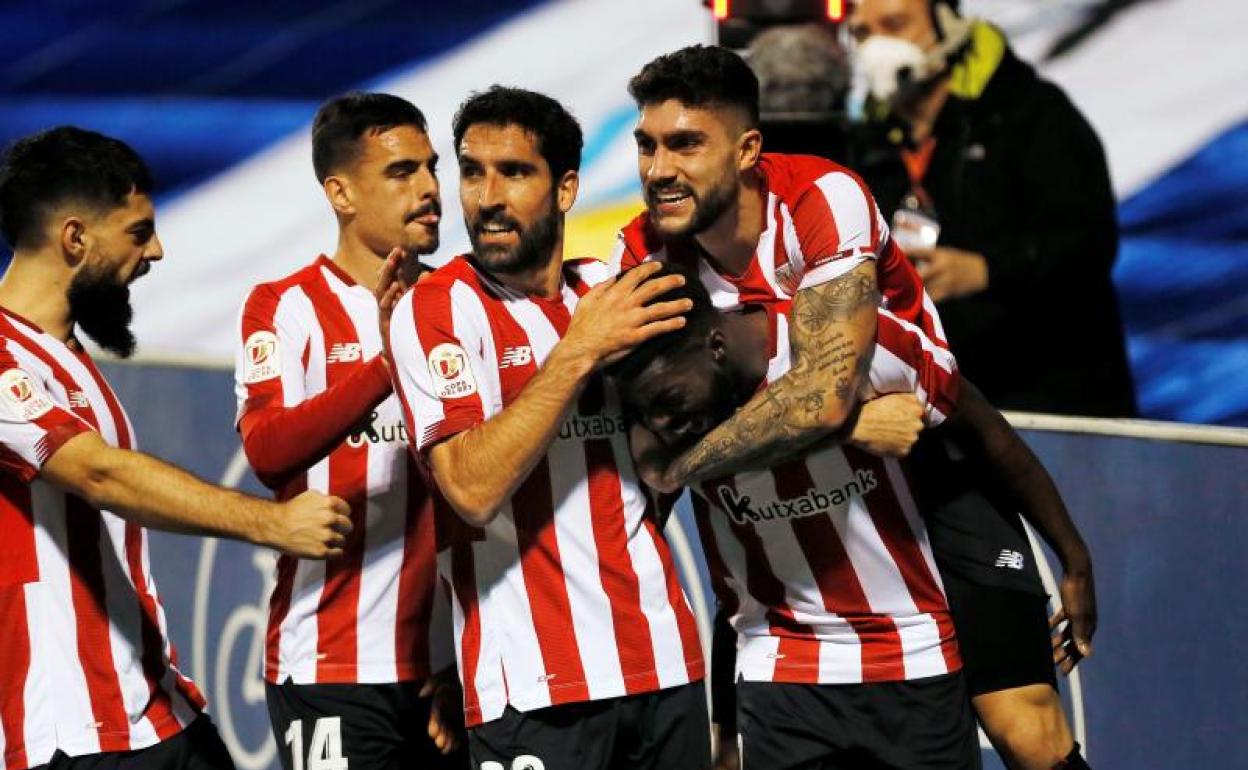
<point>889,66</point>
<point>892,70</point>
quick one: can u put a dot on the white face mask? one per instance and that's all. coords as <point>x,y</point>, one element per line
<point>886,66</point>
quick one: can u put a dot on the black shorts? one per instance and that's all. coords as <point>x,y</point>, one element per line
<point>922,724</point>
<point>198,747</point>
<point>372,726</point>
<point>1003,636</point>
<point>664,730</point>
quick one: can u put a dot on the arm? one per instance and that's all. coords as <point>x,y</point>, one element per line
<point>154,494</point>
<point>981,429</point>
<point>832,334</point>
<point>1068,230</point>
<point>478,463</point>
<point>282,442</point>
<point>479,469</point>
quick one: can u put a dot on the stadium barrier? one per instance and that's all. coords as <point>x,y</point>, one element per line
<point>1162,506</point>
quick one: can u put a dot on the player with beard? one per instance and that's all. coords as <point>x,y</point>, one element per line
<point>576,645</point>
<point>352,646</point>
<point>87,672</point>
<point>787,584</point>
<point>711,195</point>
<point>768,228</point>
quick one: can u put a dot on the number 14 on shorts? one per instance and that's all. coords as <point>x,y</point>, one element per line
<point>325,748</point>
<point>525,762</point>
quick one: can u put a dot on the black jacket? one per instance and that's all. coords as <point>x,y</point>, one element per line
<point>1019,176</point>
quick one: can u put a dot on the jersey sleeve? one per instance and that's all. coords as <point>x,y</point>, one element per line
<point>32,426</point>
<point>268,363</point>
<point>835,226</point>
<point>437,349</point>
<point>907,360</point>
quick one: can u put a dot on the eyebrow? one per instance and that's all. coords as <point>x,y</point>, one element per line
<point>142,224</point>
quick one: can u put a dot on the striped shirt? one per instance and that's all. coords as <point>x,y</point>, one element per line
<point>85,660</point>
<point>823,561</point>
<point>821,222</point>
<point>570,593</point>
<point>367,617</point>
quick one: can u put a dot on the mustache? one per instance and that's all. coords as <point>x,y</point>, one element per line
<point>432,207</point>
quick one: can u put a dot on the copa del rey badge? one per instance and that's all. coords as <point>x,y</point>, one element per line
<point>260,359</point>
<point>452,377</point>
<point>21,396</point>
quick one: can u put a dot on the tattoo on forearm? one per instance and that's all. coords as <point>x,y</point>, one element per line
<point>785,417</point>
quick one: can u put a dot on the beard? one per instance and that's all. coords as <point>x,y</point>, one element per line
<point>99,303</point>
<point>533,250</point>
<point>707,209</point>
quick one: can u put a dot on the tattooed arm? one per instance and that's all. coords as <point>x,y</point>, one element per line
<point>832,334</point>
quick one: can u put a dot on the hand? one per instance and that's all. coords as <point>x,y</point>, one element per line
<point>1074,624</point>
<point>310,526</point>
<point>390,288</point>
<point>949,273</point>
<point>446,712</point>
<point>888,426</point>
<point>616,316</point>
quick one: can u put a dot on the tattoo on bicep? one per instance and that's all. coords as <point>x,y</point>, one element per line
<point>785,416</point>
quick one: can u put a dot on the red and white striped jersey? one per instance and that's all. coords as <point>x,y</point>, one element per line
<point>821,222</point>
<point>85,659</point>
<point>369,616</point>
<point>824,561</point>
<point>570,593</point>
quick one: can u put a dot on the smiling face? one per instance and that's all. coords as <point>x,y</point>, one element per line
<point>513,208</point>
<point>392,191</point>
<point>690,160</point>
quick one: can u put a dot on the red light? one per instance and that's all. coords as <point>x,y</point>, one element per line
<point>720,9</point>
<point>836,10</point>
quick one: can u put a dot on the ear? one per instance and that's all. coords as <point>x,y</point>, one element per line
<point>74,240</point>
<point>338,193</point>
<point>565,193</point>
<point>749,149</point>
<point>717,343</point>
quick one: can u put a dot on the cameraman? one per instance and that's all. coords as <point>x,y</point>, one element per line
<point>997,187</point>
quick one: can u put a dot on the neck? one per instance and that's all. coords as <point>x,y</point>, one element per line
<point>357,260</point>
<point>922,114</point>
<point>545,280</point>
<point>748,335</point>
<point>732,239</point>
<point>36,287</point>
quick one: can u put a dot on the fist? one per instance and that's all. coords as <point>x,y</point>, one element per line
<point>312,526</point>
<point>888,426</point>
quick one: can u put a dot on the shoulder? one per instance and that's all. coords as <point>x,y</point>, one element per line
<point>639,241</point>
<point>789,177</point>
<point>442,281</point>
<point>589,271</point>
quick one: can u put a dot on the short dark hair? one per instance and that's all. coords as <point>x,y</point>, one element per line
<point>341,121</point>
<point>699,320</point>
<point>66,163</point>
<point>558,134</point>
<point>698,76</point>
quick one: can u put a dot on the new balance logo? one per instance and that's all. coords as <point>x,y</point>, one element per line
<point>78,400</point>
<point>344,353</point>
<point>518,356</point>
<point>1008,559</point>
